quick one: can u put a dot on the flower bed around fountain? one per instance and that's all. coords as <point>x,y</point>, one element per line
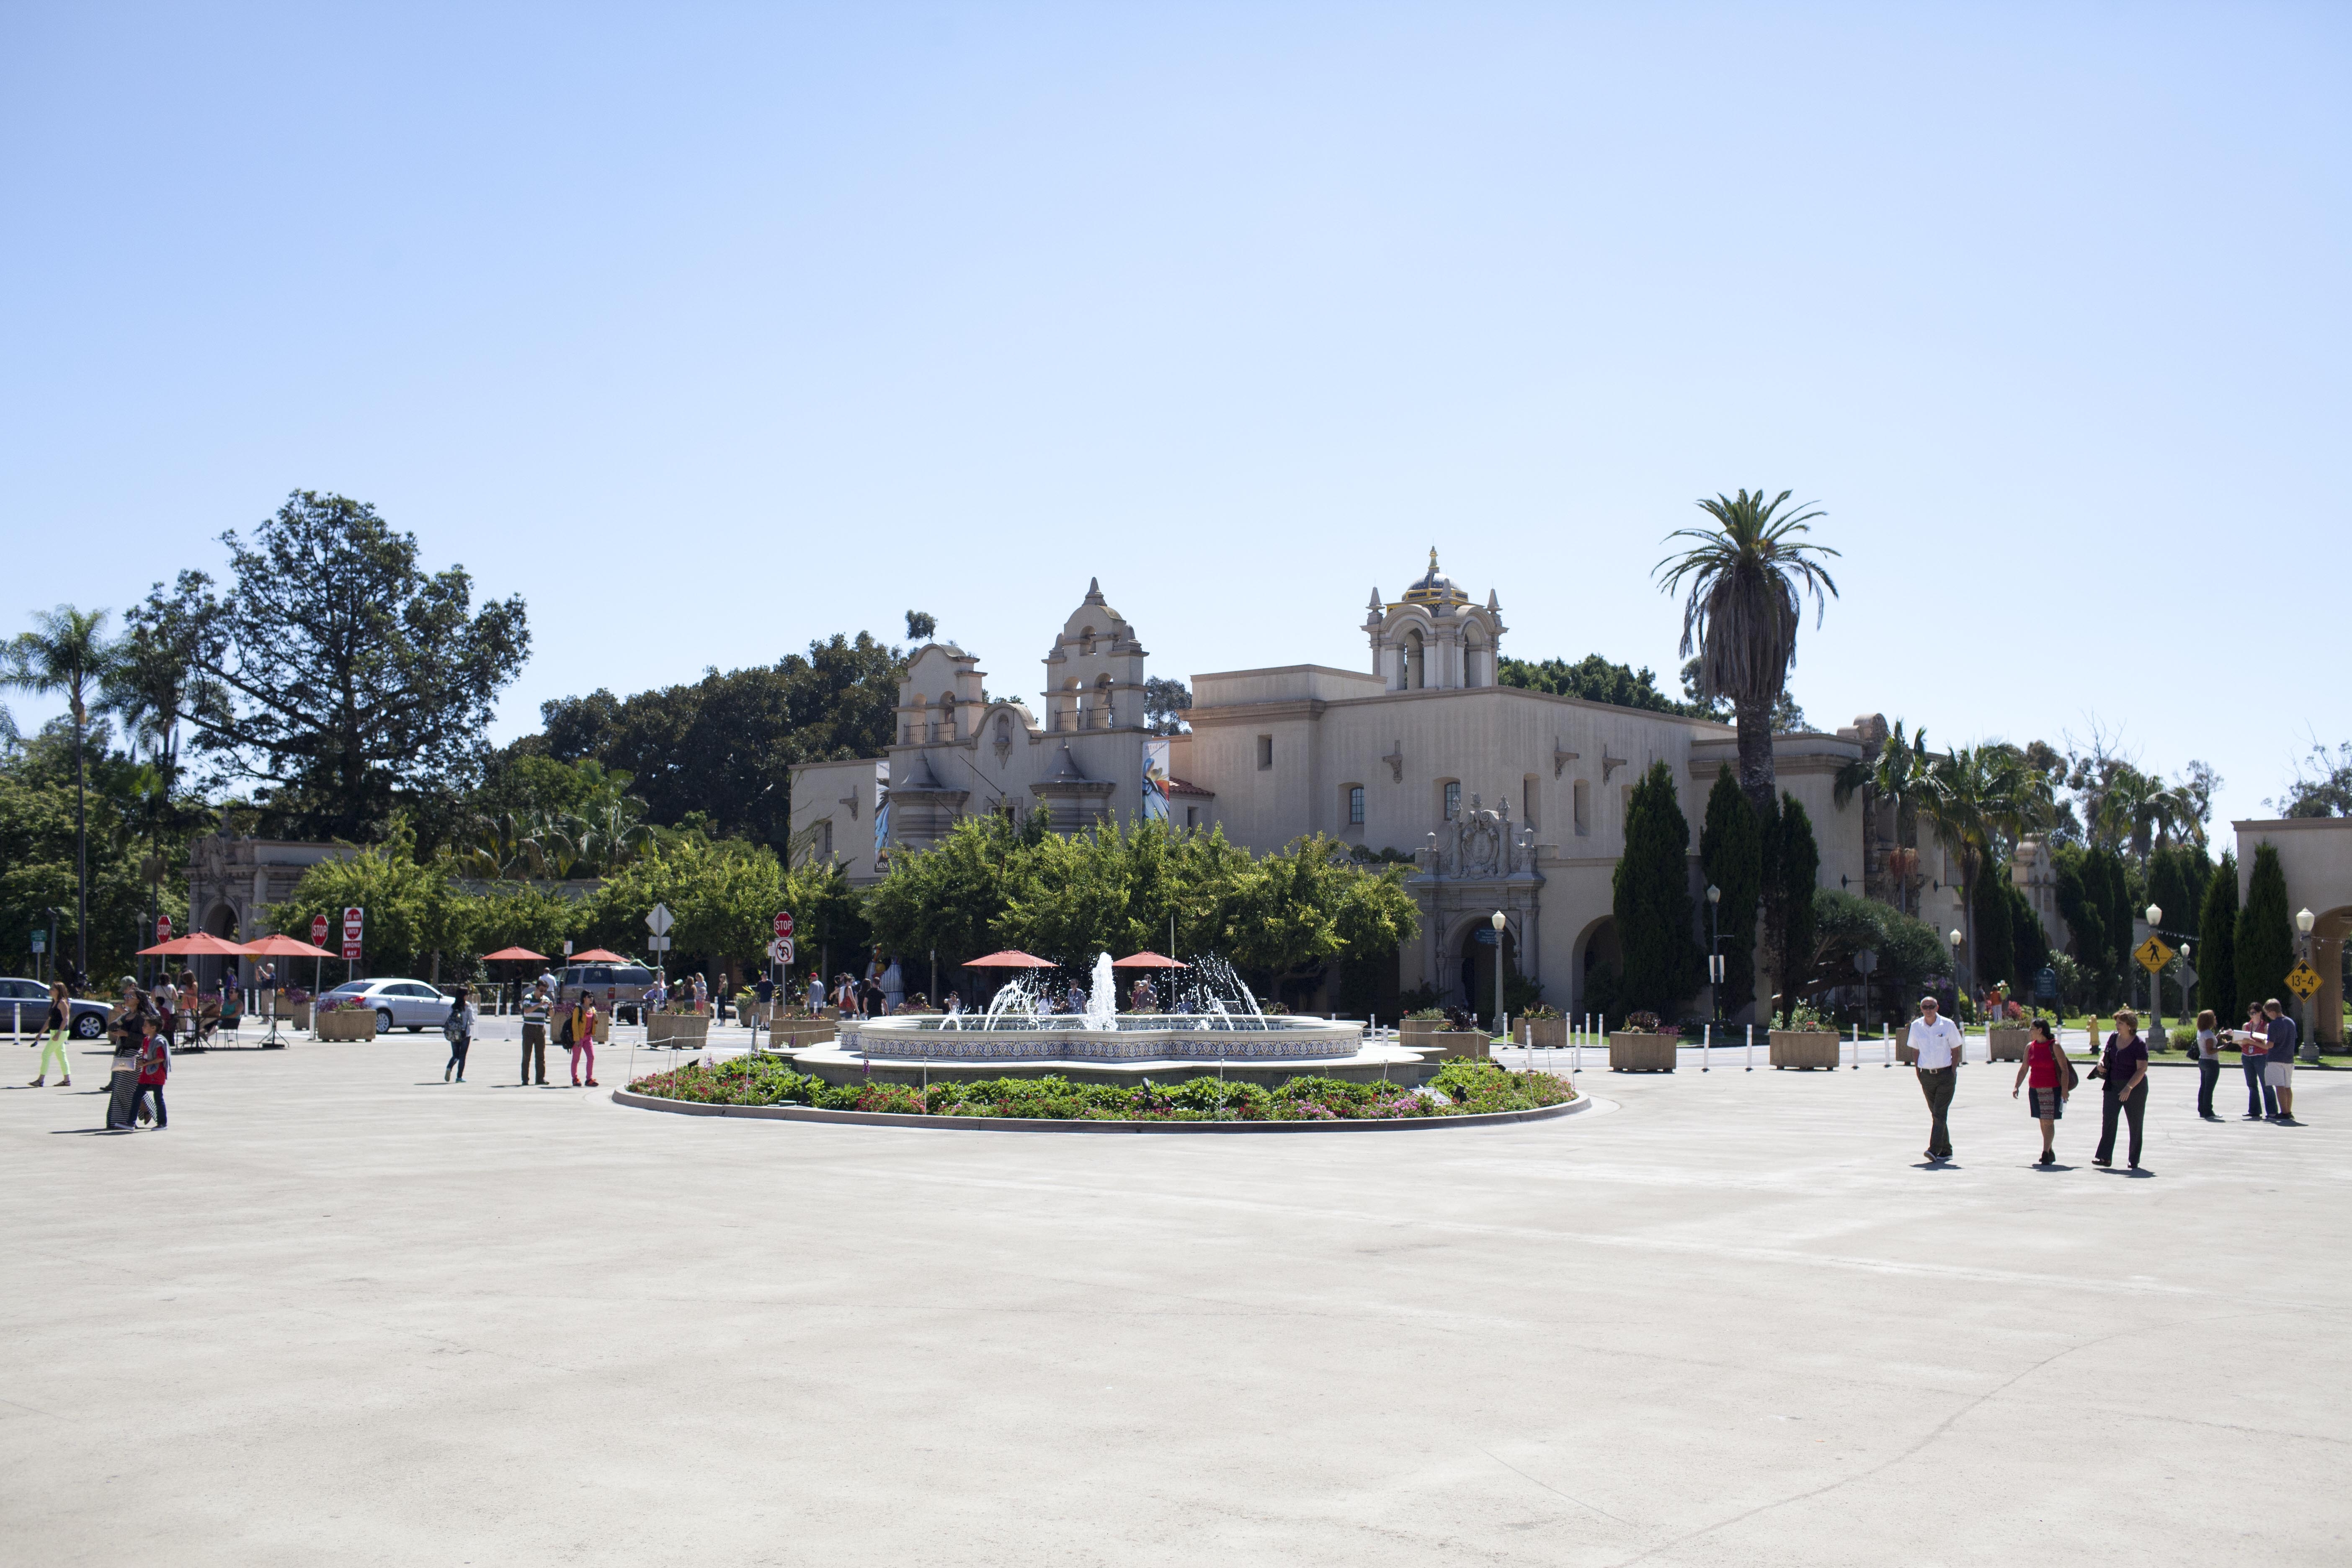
<point>1461,1089</point>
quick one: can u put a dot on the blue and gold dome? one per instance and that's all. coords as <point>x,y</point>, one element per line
<point>1436,588</point>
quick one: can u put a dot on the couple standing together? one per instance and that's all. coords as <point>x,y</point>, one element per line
<point>1939,1049</point>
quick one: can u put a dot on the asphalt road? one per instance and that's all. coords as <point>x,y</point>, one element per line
<point>342,1312</point>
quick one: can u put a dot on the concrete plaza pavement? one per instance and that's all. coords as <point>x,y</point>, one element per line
<point>342,1312</point>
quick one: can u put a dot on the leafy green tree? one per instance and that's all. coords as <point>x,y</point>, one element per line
<point>726,745</point>
<point>1651,899</point>
<point>2083,910</point>
<point>416,915</point>
<point>2265,935</point>
<point>1792,865</point>
<point>921,627</point>
<point>1595,679</point>
<point>337,675</point>
<point>1908,950</point>
<point>1308,906</point>
<point>723,894</point>
<point>2217,944</point>
<point>2324,791</point>
<point>43,841</point>
<point>68,655</point>
<point>1731,849</point>
<point>1748,576</point>
<point>2114,891</point>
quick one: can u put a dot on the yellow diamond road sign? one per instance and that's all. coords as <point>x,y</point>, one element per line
<point>2303,981</point>
<point>2153,955</point>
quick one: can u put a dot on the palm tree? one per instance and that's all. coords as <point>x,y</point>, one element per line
<point>71,654</point>
<point>1897,776</point>
<point>1982,800</point>
<point>1748,577</point>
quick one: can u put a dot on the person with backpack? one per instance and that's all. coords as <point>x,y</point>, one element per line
<point>2051,1077</point>
<point>458,1028</point>
<point>581,1022</point>
<point>53,1043</point>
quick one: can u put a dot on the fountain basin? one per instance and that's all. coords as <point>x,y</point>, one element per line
<point>1132,1036</point>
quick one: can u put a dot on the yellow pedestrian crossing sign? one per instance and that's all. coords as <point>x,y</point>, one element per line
<point>2302,980</point>
<point>2153,955</point>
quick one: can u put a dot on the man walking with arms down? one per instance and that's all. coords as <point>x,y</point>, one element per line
<point>1936,1042</point>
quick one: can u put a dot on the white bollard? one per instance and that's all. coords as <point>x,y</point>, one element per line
<point>1706,1046</point>
<point>1751,1048</point>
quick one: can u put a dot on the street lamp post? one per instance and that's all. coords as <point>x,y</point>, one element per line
<point>1956,938</point>
<point>1502,1019</point>
<point>2155,914</point>
<point>2303,921</point>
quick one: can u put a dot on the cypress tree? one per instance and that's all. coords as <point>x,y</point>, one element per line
<point>1731,849</point>
<point>1996,941</point>
<point>1653,899</point>
<point>2086,932</point>
<point>1792,865</point>
<point>2216,958</point>
<point>2265,934</point>
<point>2027,940</point>
<point>2115,910</point>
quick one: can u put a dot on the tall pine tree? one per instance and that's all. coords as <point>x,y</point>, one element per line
<point>1653,899</point>
<point>2217,945</point>
<point>1792,865</point>
<point>2265,932</point>
<point>1731,849</point>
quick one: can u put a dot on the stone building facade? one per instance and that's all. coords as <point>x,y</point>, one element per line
<point>1503,798</point>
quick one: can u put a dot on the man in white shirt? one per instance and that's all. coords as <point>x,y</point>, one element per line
<point>1936,1040</point>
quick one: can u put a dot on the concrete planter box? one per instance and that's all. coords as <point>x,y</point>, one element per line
<point>1642,1052</point>
<point>1432,1035</point>
<point>347,1024</point>
<point>2009,1044</point>
<point>687,1029</point>
<point>1804,1049</point>
<point>792,1034</point>
<point>1544,1033</point>
<point>295,1015</point>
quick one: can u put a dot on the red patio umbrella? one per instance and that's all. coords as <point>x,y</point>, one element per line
<point>598,955</point>
<point>514,955</point>
<point>202,941</point>
<point>285,947</point>
<point>1147,960</point>
<point>1009,959</point>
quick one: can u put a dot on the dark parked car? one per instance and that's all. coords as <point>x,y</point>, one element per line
<point>625,985</point>
<point>26,1003</point>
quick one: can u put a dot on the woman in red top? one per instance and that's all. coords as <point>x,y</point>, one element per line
<point>2040,1072</point>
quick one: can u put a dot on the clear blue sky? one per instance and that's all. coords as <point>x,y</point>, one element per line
<point>713,331</point>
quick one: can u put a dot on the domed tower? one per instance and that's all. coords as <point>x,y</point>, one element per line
<point>1435,638</point>
<point>1094,676</point>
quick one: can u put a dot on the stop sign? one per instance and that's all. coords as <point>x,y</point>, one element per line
<point>784,923</point>
<point>317,931</point>
<point>163,927</point>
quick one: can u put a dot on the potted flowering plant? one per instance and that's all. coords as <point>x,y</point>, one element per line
<point>1641,1044</point>
<point>1542,1027</point>
<point>1808,1042</point>
<point>344,1018</point>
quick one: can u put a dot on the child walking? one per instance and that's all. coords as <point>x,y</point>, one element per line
<point>154,1067</point>
<point>54,1047</point>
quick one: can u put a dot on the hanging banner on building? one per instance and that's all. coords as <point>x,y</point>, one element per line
<point>1155,779</point>
<point>882,817</point>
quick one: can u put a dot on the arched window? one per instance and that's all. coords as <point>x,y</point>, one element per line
<point>1412,660</point>
<point>947,718</point>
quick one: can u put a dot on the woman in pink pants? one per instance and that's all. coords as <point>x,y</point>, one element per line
<point>583,1040</point>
